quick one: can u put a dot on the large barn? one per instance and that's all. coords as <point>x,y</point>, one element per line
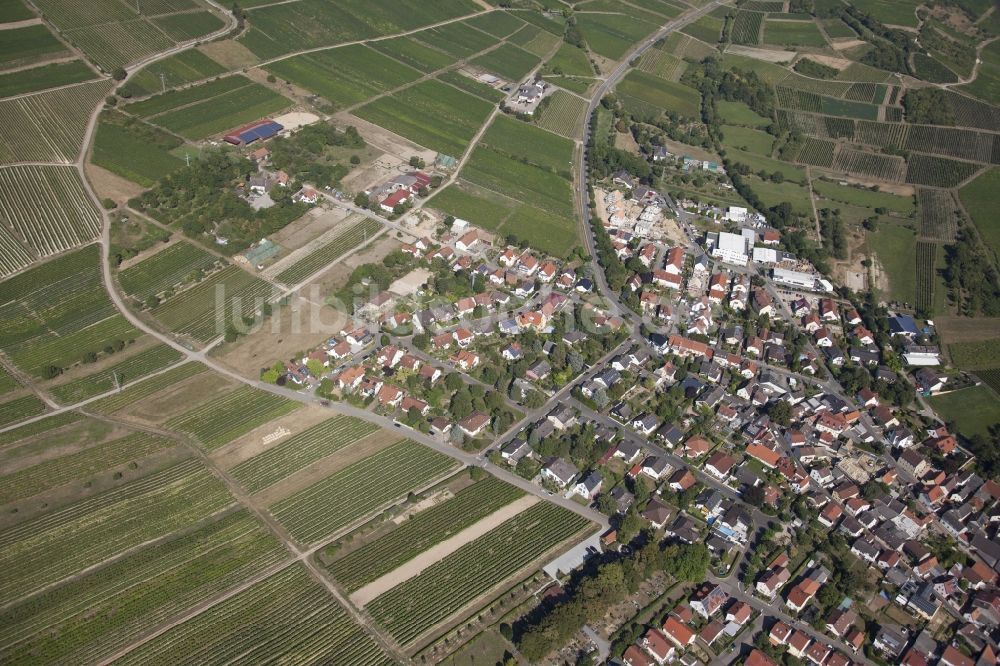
<point>262,129</point>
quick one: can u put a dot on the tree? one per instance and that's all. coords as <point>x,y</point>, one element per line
<point>453,381</point>
<point>606,504</point>
<point>780,412</point>
<point>361,200</point>
<point>355,160</point>
<point>753,495</point>
<point>119,74</point>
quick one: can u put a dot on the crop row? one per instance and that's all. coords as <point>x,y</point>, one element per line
<point>48,126</point>
<point>564,114</point>
<point>287,618</point>
<point>80,465</point>
<point>329,252</point>
<point>145,388</point>
<point>746,27</point>
<point>817,86</point>
<point>13,255</point>
<point>926,253</point>
<point>952,142</point>
<point>872,165</point>
<point>883,135</point>
<point>47,207</point>
<point>43,550</point>
<point>206,309</point>
<point>219,421</point>
<point>416,605</point>
<point>798,100</point>
<point>873,93</point>
<point>937,171</point>
<point>66,350</point>
<point>937,214</point>
<point>19,409</point>
<point>990,377</point>
<point>39,427</point>
<point>297,452</point>
<point>117,44</point>
<point>359,489</point>
<point>816,152</point>
<point>141,364</point>
<point>420,532</point>
<point>165,270</point>
<point>88,619</point>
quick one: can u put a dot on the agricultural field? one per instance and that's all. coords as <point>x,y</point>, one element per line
<point>181,68</point>
<point>870,165</point>
<point>14,10</point>
<point>860,196</point>
<point>536,41</point>
<point>569,60</point>
<point>456,39</point>
<point>281,619</point>
<point>987,84</point>
<point>299,451</point>
<point>193,311</point>
<point>926,258</point>
<point>507,61</point>
<point>55,313</point>
<point>527,144</point>
<point>43,550</point>
<point>660,94</point>
<point>137,366</point>
<point>411,52</point>
<point>564,115</point>
<point>428,527</point>
<point>345,76</point>
<point>326,254</point>
<point>135,150</point>
<point>746,28</point>
<point>88,619</point>
<point>979,198</point>
<point>359,489</point>
<point>470,202</point>
<point>816,152</point>
<point>612,35</point>
<point>42,426</point>
<point>145,388</point>
<point>952,142</point>
<point>184,27</point>
<point>891,12</point>
<point>661,64</point>
<point>431,114</point>
<point>895,247</point>
<point>707,28</point>
<point>498,24</point>
<point>210,108</point>
<point>991,378</point>
<point>938,171</point>
<point>19,409</point>
<point>221,420</point>
<point>279,29</point>
<point>973,409</point>
<point>793,33</point>
<point>757,163</point>
<point>471,86</point>
<point>29,46</point>
<point>56,471</point>
<point>772,194</point>
<point>978,355</point>
<point>44,77</point>
<point>165,270</point>
<point>938,214</point>
<point>48,126</point>
<point>444,588</point>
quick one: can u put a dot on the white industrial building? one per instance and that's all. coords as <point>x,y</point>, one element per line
<point>765,255</point>
<point>731,248</point>
<point>736,214</point>
<point>794,278</point>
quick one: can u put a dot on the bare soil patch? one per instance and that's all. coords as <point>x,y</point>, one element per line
<point>625,141</point>
<point>111,186</point>
<point>313,224</point>
<point>767,55</point>
<point>252,443</point>
<point>847,44</point>
<point>383,139</point>
<point>293,120</point>
<point>437,552</point>
<point>321,469</point>
<point>830,61</point>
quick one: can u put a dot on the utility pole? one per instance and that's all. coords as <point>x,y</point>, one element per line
<point>163,83</point>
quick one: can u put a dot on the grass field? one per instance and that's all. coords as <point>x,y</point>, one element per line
<point>738,113</point>
<point>569,61</point>
<point>760,163</point>
<point>772,193</point>
<point>14,10</point>
<point>431,114</point>
<point>750,140</point>
<point>44,77</point>
<point>973,409</point>
<point>864,197</point>
<point>359,489</point>
<point>987,84</point>
<point>299,451</point>
<point>136,151</point>
<point>525,183</point>
<point>194,311</point>
<point>88,619</point>
<point>445,587</point>
<point>977,355</point>
<point>612,35</point>
<point>345,76</point>
<point>891,12</point>
<point>979,199</point>
<point>895,246</point>
<point>282,619</point>
<point>793,33</point>
<point>428,527</point>
<point>46,549</point>
<point>498,24</point>
<point>223,419</point>
<point>210,108</point>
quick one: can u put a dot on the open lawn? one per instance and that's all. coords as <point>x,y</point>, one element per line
<point>980,200</point>
<point>431,114</point>
<point>738,113</point>
<point>665,95</point>
<point>345,76</point>
<point>751,140</point>
<point>569,61</point>
<point>976,355</point>
<point>793,33</point>
<point>973,409</point>
<point>895,247</point>
<point>772,193</point>
<point>864,197</point>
